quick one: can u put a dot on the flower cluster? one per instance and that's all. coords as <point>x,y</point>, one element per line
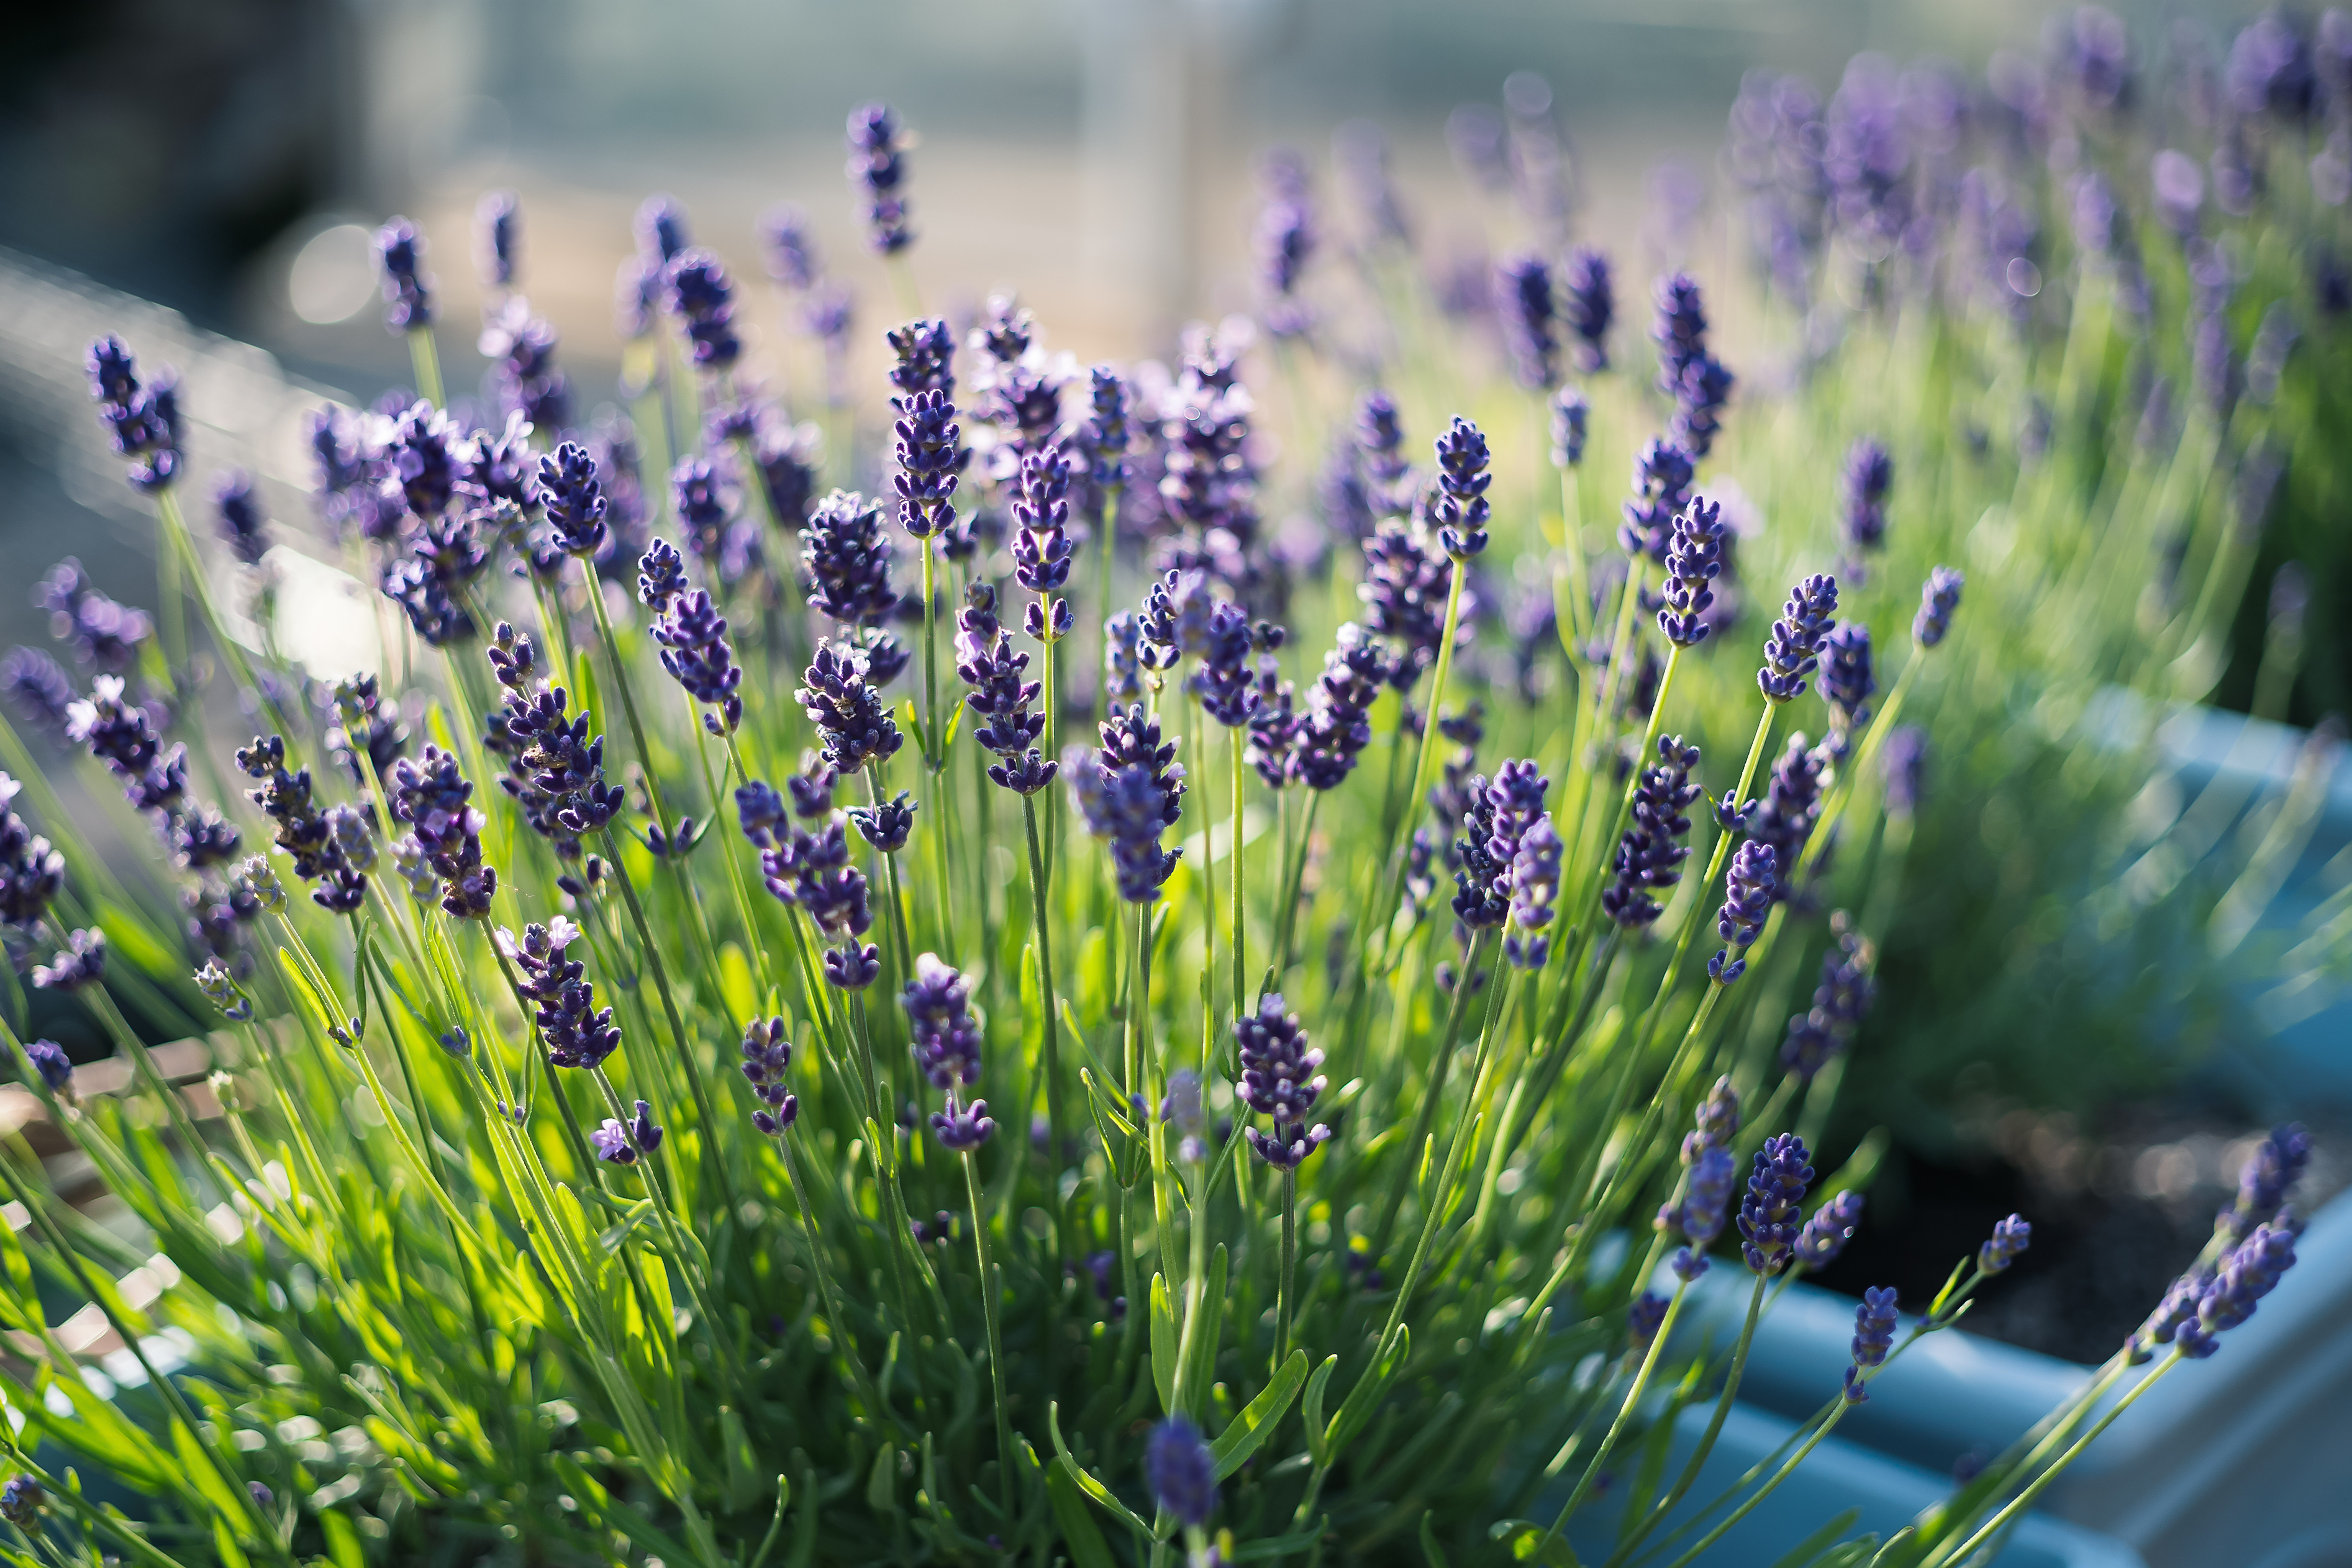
<point>31,871</point>
<point>1279,1080</point>
<point>144,422</point>
<point>1404,590</point>
<point>1129,791</point>
<point>574,498</point>
<point>810,870</point>
<point>1938,597</point>
<point>999,698</point>
<point>575,1031</point>
<point>1523,302</point>
<point>1848,682</point>
<point>1662,488</point>
<point>1687,373</point>
<point>1827,1232</point>
<point>1458,508</point>
<point>946,1042</point>
<point>1588,305</point>
<point>1332,733</point>
<point>555,768</point>
<point>767,1054</point>
<point>877,168</point>
<point>1863,485</point>
<point>1843,996</point>
<point>407,288</point>
<point>1793,648</point>
<point>702,296</point>
<point>433,798</point>
<point>322,850</point>
<point>840,697</point>
<point>1768,1229</point>
<point>1748,897</point>
<point>1693,561</point>
<point>618,1142</point>
<point>103,634</point>
<point>1649,853</point>
<point>1041,545</point>
<point>929,460</point>
<point>1874,1336</point>
<point>845,563</point>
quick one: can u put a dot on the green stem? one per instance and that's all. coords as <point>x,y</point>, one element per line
<point>1053,1029</point>
<point>426,361</point>
<point>988,1288</point>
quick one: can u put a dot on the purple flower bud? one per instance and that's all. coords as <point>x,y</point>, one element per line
<point>1182,1472</point>
<point>1793,649</point>
<point>2009,1238</point>
<point>877,169</point>
<point>788,247</point>
<point>1869,473</point>
<point>1650,854</point>
<point>1644,1318</point>
<point>1588,305</point>
<point>1570,417</point>
<point>1693,561</point>
<point>1747,899</point>
<point>1768,1228</point>
<point>1458,509</point>
<point>961,1127</point>
<point>1522,303</point>
<point>1874,1337</point>
<point>847,710</point>
<point>573,499</point>
<point>48,1059</point>
<point>767,1054</point>
<point>1847,680</point>
<point>1276,1081</point>
<point>1662,482</point>
<point>1827,1232</point>
<point>1938,599</point>
<point>407,288</point>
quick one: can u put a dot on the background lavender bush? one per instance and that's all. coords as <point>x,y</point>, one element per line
<point>813,1011</point>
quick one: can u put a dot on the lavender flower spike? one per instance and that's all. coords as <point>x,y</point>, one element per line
<point>1938,597</point>
<point>1276,1081</point>
<point>1827,1232</point>
<point>1590,305</point>
<point>1523,301</point>
<point>1776,1195</point>
<point>1650,855</point>
<point>1747,898</point>
<point>1693,562</point>
<point>1793,648</point>
<point>574,498</point>
<point>2250,1272</point>
<point>2270,1174</point>
<point>2009,1241</point>
<point>767,1053</point>
<point>407,288</point>
<point>1874,1337</point>
<point>876,168</point>
<point>1459,509</point>
<point>1182,1472</point>
<point>576,1033</point>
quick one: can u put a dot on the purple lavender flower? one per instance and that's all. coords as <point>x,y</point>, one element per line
<point>144,423</point>
<point>2251,1272</point>
<point>636,296</point>
<point>574,498</point>
<point>1589,303</point>
<point>103,634</point>
<point>48,1059</point>
<point>926,357</point>
<point>1104,438</point>
<point>1480,901</point>
<point>767,1053</point>
<point>497,223</point>
<point>788,247</point>
<point>1040,547</point>
<point>1869,473</point>
<point>1570,417</point>
<point>1650,854</point>
<point>886,824</point>
<point>37,689</point>
<point>20,1503</point>
<point>2009,1238</point>
<point>1938,597</point>
<point>527,382</point>
<point>1845,994</point>
<point>1404,590</point>
<point>1793,649</point>
<point>1182,1472</point>
<point>31,871</point>
<point>80,961</point>
<point>577,1034</point>
<point>242,526</point>
<point>961,1128</point>
<point>1458,509</point>
<point>847,560</point>
<point>1706,1193</point>
<point>1380,443</point>
<point>847,710</point>
<point>1533,880</point>
<point>1284,240</point>
<point>1226,682</point>
<point>432,798</point>
<point>1279,1080</point>
<point>1662,482</point>
<point>660,227</point>
<point>1644,1319</point>
<point>1776,1196</point>
<point>929,462</point>
<point>878,169</point>
<point>947,1039</point>
<point>1333,733</point>
<point>1680,329</point>
<point>1522,303</point>
<point>702,296</point>
<point>1129,792</point>
<point>1874,1337</point>
<point>692,636</point>
<point>1848,682</point>
<point>422,459</point>
<point>1901,764</point>
<point>1747,898</point>
<point>1791,805</point>
<point>2269,1175</point>
<point>999,698</point>
<point>1827,1232</point>
<point>407,288</point>
<point>1693,563</point>
<point>620,1144</point>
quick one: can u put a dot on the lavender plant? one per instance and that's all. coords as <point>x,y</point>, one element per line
<point>654,1231</point>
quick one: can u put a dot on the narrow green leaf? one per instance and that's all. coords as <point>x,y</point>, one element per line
<point>1251,1429</point>
<point>882,1484</point>
<point>1081,1537</point>
<point>1819,1541</point>
<point>1094,1489</point>
<point>1313,1410</point>
<point>1204,1340</point>
<point>1429,1547</point>
<point>1278,1547</point>
<point>1357,1408</point>
<point>1163,1343</point>
<point>342,1539</point>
